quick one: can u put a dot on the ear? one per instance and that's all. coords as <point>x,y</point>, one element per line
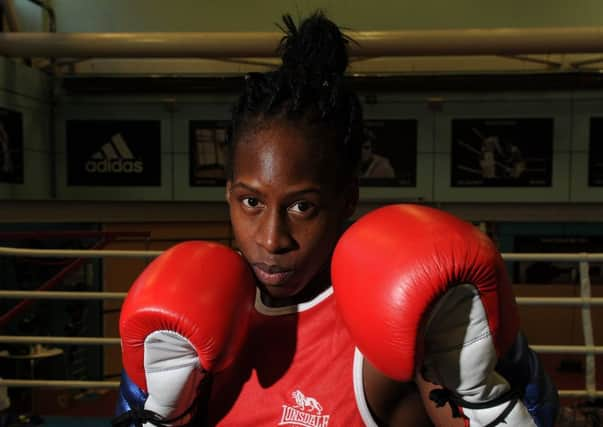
<point>351,198</point>
<point>227,192</point>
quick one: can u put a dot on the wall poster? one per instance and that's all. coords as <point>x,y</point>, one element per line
<point>11,146</point>
<point>501,152</point>
<point>113,152</point>
<point>207,148</point>
<point>389,153</point>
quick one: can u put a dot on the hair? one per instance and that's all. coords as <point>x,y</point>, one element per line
<point>308,88</point>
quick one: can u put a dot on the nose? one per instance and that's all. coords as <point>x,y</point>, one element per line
<point>274,234</point>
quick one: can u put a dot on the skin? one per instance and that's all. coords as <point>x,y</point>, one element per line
<point>287,209</point>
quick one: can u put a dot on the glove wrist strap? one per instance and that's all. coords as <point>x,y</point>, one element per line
<point>138,416</point>
<point>443,396</point>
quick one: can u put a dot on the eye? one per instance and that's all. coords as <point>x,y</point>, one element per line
<point>250,202</point>
<point>302,207</point>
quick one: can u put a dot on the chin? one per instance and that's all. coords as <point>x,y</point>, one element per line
<point>278,295</point>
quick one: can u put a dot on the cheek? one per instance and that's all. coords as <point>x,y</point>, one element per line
<point>319,241</point>
<point>241,229</point>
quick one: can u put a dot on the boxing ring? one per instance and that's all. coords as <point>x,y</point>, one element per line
<point>244,48</point>
<point>585,301</point>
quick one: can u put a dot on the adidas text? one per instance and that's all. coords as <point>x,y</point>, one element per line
<point>114,166</point>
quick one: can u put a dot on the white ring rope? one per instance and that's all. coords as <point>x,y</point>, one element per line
<point>587,328</point>
<point>552,301</point>
<point>72,253</point>
<point>105,253</point>
<point>115,384</point>
<point>26,339</point>
<point>568,349</point>
<point>64,295</point>
<point>59,383</point>
<point>559,257</point>
<point>88,295</point>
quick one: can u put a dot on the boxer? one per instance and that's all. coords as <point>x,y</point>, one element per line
<point>294,152</point>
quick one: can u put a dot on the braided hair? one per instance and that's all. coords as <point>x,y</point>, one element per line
<point>309,89</point>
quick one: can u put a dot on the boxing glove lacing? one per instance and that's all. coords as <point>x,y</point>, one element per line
<point>138,416</point>
<point>443,396</point>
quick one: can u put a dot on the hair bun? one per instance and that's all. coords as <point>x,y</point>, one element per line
<point>317,46</point>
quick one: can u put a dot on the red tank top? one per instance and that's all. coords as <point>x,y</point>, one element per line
<point>299,367</point>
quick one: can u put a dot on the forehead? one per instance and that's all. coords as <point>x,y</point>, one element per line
<point>282,153</point>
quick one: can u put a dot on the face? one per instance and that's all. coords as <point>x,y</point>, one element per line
<point>367,151</point>
<point>286,208</point>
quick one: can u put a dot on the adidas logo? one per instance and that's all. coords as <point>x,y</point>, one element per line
<point>114,157</point>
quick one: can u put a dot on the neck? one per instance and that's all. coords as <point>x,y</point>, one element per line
<point>316,286</point>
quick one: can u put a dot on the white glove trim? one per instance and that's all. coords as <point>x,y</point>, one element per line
<point>461,357</point>
<point>172,372</point>
<point>459,350</point>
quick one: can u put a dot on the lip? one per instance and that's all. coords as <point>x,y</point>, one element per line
<point>271,275</point>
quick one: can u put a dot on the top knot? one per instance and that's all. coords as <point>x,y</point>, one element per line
<point>317,47</point>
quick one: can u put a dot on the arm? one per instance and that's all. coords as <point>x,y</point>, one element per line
<point>393,403</point>
<point>434,302</point>
<point>439,416</point>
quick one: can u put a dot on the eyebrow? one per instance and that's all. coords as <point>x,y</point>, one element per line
<point>293,194</point>
<point>244,187</point>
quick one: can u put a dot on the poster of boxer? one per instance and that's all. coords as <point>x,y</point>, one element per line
<point>595,153</point>
<point>11,146</point>
<point>207,148</point>
<point>502,152</point>
<point>113,153</point>
<point>552,272</point>
<point>389,153</point>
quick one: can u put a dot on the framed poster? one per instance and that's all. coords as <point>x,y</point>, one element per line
<point>11,146</point>
<point>556,272</point>
<point>502,152</point>
<point>208,151</point>
<point>595,153</point>
<point>389,153</point>
<point>113,153</point>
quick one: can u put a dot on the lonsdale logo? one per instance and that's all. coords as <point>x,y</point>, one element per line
<point>114,157</point>
<point>306,412</point>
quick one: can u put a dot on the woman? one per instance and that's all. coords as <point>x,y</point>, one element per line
<point>294,156</point>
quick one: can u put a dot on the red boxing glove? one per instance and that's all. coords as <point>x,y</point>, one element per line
<point>423,291</point>
<point>185,315</point>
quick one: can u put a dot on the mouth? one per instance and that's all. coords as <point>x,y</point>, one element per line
<point>271,275</point>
